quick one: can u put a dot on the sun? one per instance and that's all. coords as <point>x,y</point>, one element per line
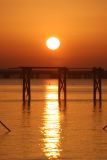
<point>53,43</point>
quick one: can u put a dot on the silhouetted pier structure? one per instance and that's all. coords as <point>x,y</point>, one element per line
<point>26,84</point>
<point>97,85</point>
<point>61,73</point>
<point>62,76</point>
<point>26,74</point>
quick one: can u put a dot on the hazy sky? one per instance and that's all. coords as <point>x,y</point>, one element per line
<point>81,25</point>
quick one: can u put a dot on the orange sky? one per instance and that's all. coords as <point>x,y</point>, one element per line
<point>81,26</point>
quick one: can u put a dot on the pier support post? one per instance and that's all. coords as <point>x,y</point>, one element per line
<point>26,85</point>
<point>5,126</point>
<point>97,85</point>
<point>62,85</point>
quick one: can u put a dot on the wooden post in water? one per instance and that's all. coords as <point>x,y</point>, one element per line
<point>97,85</point>
<point>5,126</point>
<point>26,84</point>
<point>62,85</point>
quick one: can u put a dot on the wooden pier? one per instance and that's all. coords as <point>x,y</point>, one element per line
<point>97,74</point>
<point>26,72</point>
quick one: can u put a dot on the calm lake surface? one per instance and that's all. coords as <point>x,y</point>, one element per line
<point>43,131</point>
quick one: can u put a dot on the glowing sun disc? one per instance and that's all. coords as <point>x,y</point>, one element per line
<point>53,43</point>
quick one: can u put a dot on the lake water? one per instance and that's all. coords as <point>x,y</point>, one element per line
<point>43,131</point>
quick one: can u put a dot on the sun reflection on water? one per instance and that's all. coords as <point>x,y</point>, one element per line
<point>51,127</point>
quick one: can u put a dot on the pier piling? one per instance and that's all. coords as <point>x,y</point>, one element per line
<point>26,85</point>
<point>97,85</point>
<point>62,85</point>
